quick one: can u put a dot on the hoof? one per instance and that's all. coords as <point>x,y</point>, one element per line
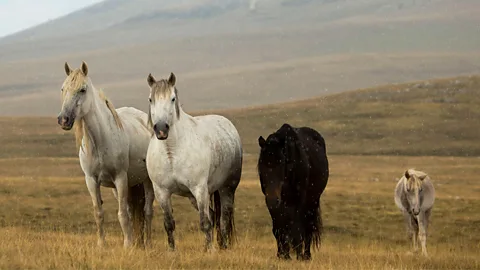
<point>101,244</point>
<point>209,249</point>
<point>410,253</point>
<point>283,256</point>
<point>307,257</point>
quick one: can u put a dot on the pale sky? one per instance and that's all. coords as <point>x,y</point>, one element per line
<point>17,15</point>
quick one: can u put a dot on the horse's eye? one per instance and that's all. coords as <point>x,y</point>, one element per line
<point>173,99</point>
<point>150,100</point>
<point>61,90</point>
<point>83,90</point>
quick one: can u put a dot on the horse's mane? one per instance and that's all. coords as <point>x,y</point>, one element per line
<point>79,126</point>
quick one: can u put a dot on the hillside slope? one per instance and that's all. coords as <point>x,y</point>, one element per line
<point>238,54</point>
<point>438,117</point>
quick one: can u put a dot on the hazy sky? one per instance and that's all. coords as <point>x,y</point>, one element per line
<point>16,15</point>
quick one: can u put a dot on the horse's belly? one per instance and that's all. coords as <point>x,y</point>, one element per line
<point>107,183</point>
<point>137,172</point>
<point>180,189</point>
<point>218,179</point>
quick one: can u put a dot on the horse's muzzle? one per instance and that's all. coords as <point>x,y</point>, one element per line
<point>65,122</point>
<point>161,130</point>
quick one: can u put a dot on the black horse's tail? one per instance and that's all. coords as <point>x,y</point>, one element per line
<point>317,227</point>
<point>137,204</point>
<point>217,214</point>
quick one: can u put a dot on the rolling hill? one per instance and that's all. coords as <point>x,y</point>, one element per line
<point>428,118</point>
<point>236,53</point>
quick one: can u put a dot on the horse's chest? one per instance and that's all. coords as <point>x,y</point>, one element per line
<point>177,169</point>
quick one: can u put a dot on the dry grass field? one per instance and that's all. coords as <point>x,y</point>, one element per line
<point>373,135</point>
<point>46,221</point>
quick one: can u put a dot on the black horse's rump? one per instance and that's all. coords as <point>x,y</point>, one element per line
<point>293,170</point>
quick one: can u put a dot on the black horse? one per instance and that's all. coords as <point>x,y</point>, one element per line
<point>293,170</point>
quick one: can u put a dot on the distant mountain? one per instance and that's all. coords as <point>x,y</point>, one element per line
<point>242,46</point>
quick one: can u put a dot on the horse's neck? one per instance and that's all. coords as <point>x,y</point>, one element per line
<point>181,130</point>
<point>99,123</point>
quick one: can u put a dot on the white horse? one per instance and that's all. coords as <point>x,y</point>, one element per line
<point>415,195</point>
<point>193,157</point>
<point>112,148</point>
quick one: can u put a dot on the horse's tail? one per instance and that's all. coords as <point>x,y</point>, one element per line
<point>317,227</point>
<point>137,204</point>
<point>217,214</point>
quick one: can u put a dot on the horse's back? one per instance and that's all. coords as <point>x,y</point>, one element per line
<point>428,193</point>
<point>134,123</point>
<point>398,195</point>
<point>219,129</point>
<point>223,141</point>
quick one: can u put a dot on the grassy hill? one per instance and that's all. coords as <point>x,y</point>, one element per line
<point>239,54</point>
<point>436,117</point>
<point>46,219</point>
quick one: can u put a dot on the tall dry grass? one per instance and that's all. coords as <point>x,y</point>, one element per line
<point>46,221</point>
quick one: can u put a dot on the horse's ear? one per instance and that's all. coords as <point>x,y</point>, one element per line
<point>172,79</point>
<point>261,142</point>
<point>422,176</point>
<point>84,68</point>
<point>151,80</point>
<point>68,70</point>
<point>407,174</point>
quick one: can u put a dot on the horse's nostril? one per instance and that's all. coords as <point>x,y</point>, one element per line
<point>167,126</point>
<point>67,119</point>
<point>155,127</point>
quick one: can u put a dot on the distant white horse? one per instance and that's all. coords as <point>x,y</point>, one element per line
<point>415,195</point>
<point>193,157</point>
<point>112,148</point>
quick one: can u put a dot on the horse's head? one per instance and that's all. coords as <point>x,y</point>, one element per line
<point>273,163</point>
<point>76,96</point>
<point>164,107</point>
<point>413,189</point>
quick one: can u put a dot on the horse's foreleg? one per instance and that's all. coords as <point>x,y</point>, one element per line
<point>121,184</point>
<point>164,199</point>
<point>149,197</point>
<point>203,201</point>
<point>283,247</point>
<point>94,190</point>
<point>422,232</point>
<point>414,222</point>
<point>411,231</point>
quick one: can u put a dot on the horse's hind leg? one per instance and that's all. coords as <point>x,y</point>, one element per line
<point>149,197</point>
<point>227,223</point>
<point>94,190</point>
